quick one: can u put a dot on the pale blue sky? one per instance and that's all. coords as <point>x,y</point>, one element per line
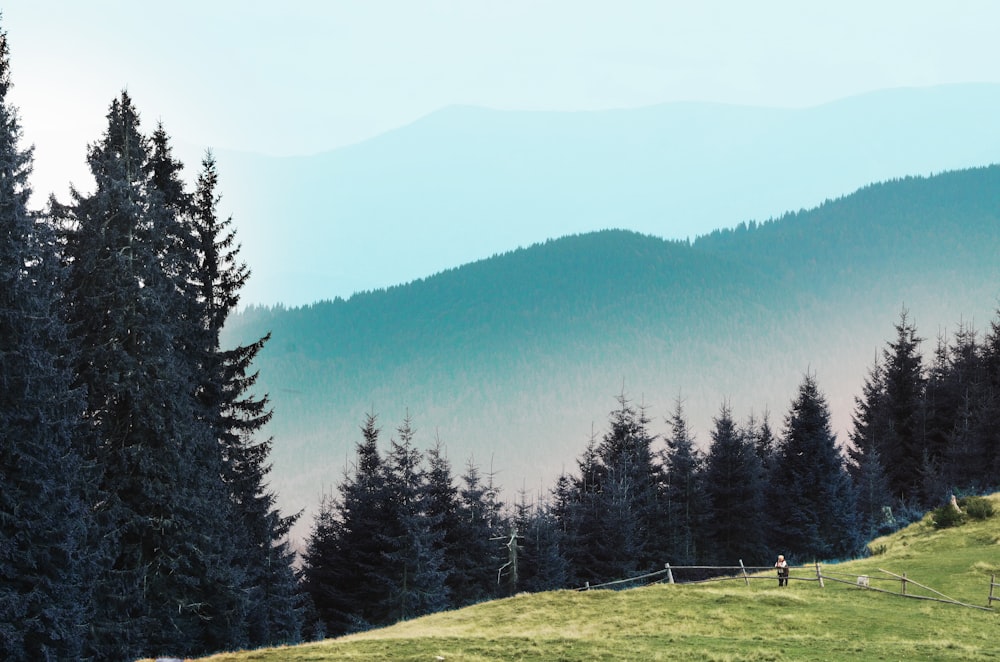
<point>300,76</point>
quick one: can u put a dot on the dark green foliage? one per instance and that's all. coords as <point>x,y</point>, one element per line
<point>343,558</point>
<point>811,492</point>
<point>947,516</point>
<point>734,486</point>
<point>951,416</point>
<point>611,516</point>
<point>685,501</point>
<point>976,507</point>
<point>542,565</point>
<point>400,541</point>
<point>272,605</point>
<point>169,579</point>
<point>412,543</point>
<point>476,556</point>
<point>44,562</point>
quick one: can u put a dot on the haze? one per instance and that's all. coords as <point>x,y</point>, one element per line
<point>305,77</point>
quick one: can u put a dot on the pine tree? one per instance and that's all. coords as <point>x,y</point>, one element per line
<point>761,438</point>
<point>542,564</point>
<point>812,497</point>
<point>685,501</point>
<point>43,508</point>
<point>343,558</point>
<point>989,412</point>
<point>735,490</point>
<point>477,556</point>
<point>868,432</point>
<point>168,582</point>
<point>443,513</point>
<point>273,607</point>
<point>414,577</point>
<point>903,445</point>
<point>209,560</point>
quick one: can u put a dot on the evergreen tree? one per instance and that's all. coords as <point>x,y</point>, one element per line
<point>941,405</point>
<point>869,429</point>
<point>626,505</point>
<point>968,453</point>
<point>477,557</point>
<point>273,604</point>
<point>685,500</point>
<point>989,412</point>
<point>168,581</point>
<point>903,445</point>
<point>43,508</point>
<point>211,553</point>
<point>734,487</point>
<point>414,577</point>
<point>761,437</point>
<point>343,558</point>
<point>812,490</point>
<point>542,566</point>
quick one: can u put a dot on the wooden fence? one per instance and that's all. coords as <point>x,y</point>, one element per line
<point>807,573</point>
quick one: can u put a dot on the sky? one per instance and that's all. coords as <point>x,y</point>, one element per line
<point>305,76</point>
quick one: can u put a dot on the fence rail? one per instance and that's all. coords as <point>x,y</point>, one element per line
<point>817,574</point>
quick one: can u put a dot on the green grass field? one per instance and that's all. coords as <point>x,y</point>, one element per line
<point>726,621</point>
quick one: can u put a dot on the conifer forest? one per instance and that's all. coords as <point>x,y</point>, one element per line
<point>136,517</point>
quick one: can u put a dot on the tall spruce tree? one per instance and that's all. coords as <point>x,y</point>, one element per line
<point>274,610</point>
<point>211,553</point>
<point>903,445</point>
<point>413,576</point>
<point>543,566</point>
<point>167,582</point>
<point>685,501</point>
<point>989,412</point>
<point>476,570</point>
<point>967,453</point>
<point>343,558</point>
<point>811,489</point>
<point>869,429</point>
<point>734,485</point>
<point>43,507</point>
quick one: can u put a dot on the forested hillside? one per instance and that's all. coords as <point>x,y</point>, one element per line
<point>463,183</point>
<point>515,360</point>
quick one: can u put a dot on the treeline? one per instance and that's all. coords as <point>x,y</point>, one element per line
<point>135,517</point>
<point>400,539</point>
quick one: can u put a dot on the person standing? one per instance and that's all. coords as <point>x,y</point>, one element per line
<point>782,567</point>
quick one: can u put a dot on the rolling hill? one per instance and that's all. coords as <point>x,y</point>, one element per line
<point>730,620</point>
<point>514,361</point>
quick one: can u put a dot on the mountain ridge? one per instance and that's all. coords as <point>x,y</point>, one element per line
<point>514,360</point>
<point>462,183</point>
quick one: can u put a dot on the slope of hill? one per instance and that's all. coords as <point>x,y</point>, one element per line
<point>726,620</point>
<point>464,183</point>
<point>514,361</point>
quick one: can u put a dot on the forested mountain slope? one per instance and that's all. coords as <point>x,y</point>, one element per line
<point>463,182</point>
<point>515,360</point>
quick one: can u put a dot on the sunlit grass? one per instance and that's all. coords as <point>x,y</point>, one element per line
<point>722,621</point>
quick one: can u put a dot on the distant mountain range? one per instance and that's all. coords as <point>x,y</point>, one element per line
<point>515,360</point>
<point>465,183</point>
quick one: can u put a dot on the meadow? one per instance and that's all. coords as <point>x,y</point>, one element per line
<point>736,620</point>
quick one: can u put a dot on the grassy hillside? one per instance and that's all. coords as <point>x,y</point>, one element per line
<point>723,620</point>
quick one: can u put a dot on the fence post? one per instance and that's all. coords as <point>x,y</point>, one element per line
<point>903,582</point>
<point>745,578</point>
<point>993,582</point>
<point>670,574</point>
<point>819,575</point>
<point>586,586</point>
